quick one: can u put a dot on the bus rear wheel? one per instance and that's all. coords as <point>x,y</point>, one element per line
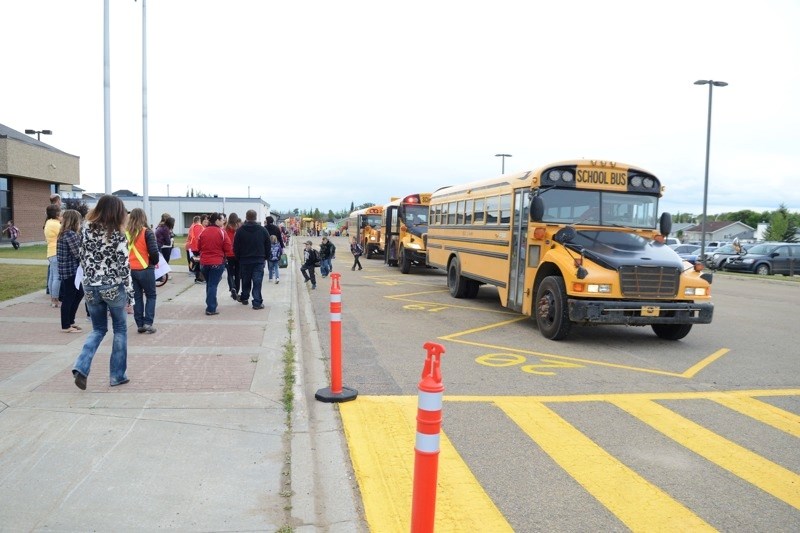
<point>671,332</point>
<point>552,312</point>
<point>405,261</point>
<point>457,283</point>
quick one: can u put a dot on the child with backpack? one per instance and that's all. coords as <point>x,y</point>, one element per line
<point>310,258</point>
<point>357,250</point>
<point>273,258</point>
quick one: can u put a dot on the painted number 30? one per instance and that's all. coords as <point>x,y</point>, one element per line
<point>499,360</point>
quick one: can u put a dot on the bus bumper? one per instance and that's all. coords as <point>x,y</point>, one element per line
<point>639,313</point>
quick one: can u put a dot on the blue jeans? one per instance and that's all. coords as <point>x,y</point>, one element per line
<point>100,301</point>
<point>325,266</point>
<point>213,274</point>
<point>144,288</point>
<point>274,270</point>
<point>53,280</point>
<point>252,279</point>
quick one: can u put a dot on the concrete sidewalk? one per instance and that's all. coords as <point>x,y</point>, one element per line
<point>197,441</point>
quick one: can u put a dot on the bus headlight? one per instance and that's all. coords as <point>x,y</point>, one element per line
<point>598,288</point>
<point>695,291</point>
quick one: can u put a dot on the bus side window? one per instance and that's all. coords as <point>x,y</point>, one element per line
<point>468,212</point>
<point>451,213</point>
<point>492,207</point>
<point>479,214</point>
<point>505,209</point>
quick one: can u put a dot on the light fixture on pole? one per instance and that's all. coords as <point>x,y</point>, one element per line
<point>38,133</point>
<point>503,156</point>
<point>711,84</point>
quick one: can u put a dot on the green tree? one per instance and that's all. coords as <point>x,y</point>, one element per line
<point>779,228</point>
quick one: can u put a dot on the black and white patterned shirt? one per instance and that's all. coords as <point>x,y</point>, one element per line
<point>104,260</point>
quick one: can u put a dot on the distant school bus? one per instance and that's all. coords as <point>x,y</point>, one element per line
<point>576,242</point>
<point>366,226</point>
<point>405,222</point>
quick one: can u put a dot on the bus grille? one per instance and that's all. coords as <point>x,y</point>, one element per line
<point>649,282</point>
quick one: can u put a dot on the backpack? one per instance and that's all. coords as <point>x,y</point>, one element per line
<point>275,252</point>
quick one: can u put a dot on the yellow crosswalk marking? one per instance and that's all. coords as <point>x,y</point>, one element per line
<point>763,412</point>
<point>380,432</point>
<point>764,474</point>
<point>635,501</point>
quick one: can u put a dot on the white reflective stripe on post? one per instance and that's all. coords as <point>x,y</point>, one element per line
<point>427,443</point>
<point>336,297</point>
<point>430,401</point>
<point>336,317</point>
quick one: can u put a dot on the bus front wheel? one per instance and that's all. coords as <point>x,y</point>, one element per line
<point>405,261</point>
<point>552,312</point>
<point>671,332</point>
<point>457,283</point>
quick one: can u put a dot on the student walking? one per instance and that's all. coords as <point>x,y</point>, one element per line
<point>107,284</point>
<point>13,233</point>
<point>231,263</point>
<point>214,246</point>
<point>143,255</point>
<point>192,254</point>
<point>165,238</point>
<point>250,246</point>
<point>274,258</point>
<point>327,253</point>
<point>52,227</point>
<point>68,252</point>
<point>357,250</point>
<point>310,257</point>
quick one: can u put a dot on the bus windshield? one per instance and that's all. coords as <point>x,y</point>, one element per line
<point>373,221</point>
<point>415,215</point>
<point>599,208</point>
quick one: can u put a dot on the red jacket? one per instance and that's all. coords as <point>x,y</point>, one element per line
<point>213,245</point>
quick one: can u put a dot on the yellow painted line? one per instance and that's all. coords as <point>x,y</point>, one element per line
<point>380,432</point>
<point>553,356</point>
<point>655,396</point>
<point>763,412</point>
<point>764,474</point>
<point>482,328</point>
<point>704,363</point>
<point>400,296</point>
<point>639,504</point>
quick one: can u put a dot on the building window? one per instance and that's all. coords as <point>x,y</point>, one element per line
<point>5,200</point>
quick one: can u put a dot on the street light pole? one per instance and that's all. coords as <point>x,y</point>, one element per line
<point>503,156</point>
<point>711,84</point>
<point>38,133</point>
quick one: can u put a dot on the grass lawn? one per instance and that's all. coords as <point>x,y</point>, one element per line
<point>17,280</point>
<point>36,251</point>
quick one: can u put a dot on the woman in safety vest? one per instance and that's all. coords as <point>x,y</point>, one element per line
<point>143,256</point>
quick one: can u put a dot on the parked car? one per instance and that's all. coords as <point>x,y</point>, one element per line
<point>671,242</point>
<point>723,254</point>
<point>687,252</point>
<point>712,247</point>
<point>768,258</point>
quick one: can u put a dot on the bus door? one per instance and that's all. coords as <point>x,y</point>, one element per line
<point>519,245</point>
<point>391,230</point>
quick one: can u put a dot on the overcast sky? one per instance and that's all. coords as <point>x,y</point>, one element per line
<point>323,103</point>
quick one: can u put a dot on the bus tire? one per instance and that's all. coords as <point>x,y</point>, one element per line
<point>455,281</point>
<point>552,311</point>
<point>369,252</point>
<point>405,261</point>
<point>671,332</point>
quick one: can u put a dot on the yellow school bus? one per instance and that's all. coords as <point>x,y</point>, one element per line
<point>575,242</point>
<point>405,222</point>
<point>366,226</point>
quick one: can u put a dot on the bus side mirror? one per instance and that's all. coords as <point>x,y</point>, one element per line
<point>537,208</point>
<point>665,224</point>
<point>565,235</point>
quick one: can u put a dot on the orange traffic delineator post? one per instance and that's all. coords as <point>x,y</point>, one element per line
<point>426,447</point>
<point>336,393</point>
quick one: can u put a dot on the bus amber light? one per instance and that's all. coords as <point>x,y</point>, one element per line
<point>698,267</point>
<point>539,233</point>
<point>577,287</point>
